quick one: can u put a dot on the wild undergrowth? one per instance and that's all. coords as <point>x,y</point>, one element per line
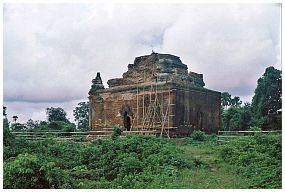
<point>258,158</point>
<point>130,162</point>
<point>137,161</point>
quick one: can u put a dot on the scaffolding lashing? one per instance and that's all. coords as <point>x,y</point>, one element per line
<point>157,111</point>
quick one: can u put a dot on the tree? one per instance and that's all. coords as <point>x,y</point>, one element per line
<point>245,117</point>
<point>225,99</point>
<point>8,137</point>
<point>15,118</point>
<point>237,118</point>
<point>30,125</point>
<point>36,125</point>
<point>18,127</point>
<point>81,115</point>
<point>4,111</point>
<point>62,126</point>
<point>235,102</point>
<point>56,114</point>
<point>267,97</point>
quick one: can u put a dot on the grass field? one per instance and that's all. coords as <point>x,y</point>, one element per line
<point>208,170</point>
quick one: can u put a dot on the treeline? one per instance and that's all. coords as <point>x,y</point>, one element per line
<point>265,110</point>
<point>56,120</point>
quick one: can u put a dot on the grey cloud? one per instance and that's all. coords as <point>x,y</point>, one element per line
<point>37,111</point>
<point>230,44</point>
<point>53,51</point>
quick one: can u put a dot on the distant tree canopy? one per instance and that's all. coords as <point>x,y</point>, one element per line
<point>15,118</point>
<point>57,120</point>
<point>262,112</point>
<point>228,101</point>
<point>4,111</point>
<point>237,118</point>
<point>8,137</point>
<point>56,114</point>
<point>81,115</point>
<point>225,99</point>
<point>267,99</point>
<point>236,102</point>
<point>267,95</point>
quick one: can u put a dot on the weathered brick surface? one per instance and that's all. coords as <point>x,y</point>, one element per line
<point>181,101</point>
<point>197,110</point>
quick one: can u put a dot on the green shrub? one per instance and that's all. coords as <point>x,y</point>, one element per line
<point>116,132</point>
<point>134,161</point>
<point>29,172</point>
<point>198,136</point>
<point>258,158</point>
<point>255,128</point>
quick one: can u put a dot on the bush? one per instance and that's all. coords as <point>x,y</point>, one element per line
<point>255,129</point>
<point>198,136</point>
<point>62,126</point>
<point>258,158</point>
<point>133,161</point>
<point>28,171</point>
<point>116,132</point>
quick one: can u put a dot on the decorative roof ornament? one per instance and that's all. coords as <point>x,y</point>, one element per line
<point>97,84</point>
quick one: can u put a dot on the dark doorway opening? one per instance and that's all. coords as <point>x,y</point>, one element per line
<point>127,121</point>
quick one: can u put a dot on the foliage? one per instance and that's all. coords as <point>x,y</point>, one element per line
<point>263,110</point>
<point>18,127</point>
<point>62,126</point>
<point>228,101</point>
<point>37,125</point>
<point>225,99</point>
<point>15,118</point>
<point>30,125</point>
<point>116,132</point>
<point>131,162</point>
<point>235,102</point>
<point>56,114</point>
<point>234,115</point>
<point>198,135</point>
<point>8,137</point>
<point>237,118</point>
<point>28,171</point>
<point>207,169</point>
<point>81,115</point>
<point>254,129</point>
<point>267,99</point>
<point>259,158</point>
<point>34,126</point>
<point>137,161</point>
<point>4,112</point>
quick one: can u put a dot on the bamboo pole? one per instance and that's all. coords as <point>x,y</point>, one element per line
<point>137,105</point>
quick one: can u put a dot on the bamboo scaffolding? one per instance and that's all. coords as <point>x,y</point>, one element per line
<point>155,110</point>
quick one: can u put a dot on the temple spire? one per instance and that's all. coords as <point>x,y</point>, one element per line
<point>97,84</point>
<point>98,80</point>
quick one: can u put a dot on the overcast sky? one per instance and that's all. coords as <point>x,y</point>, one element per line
<point>53,51</point>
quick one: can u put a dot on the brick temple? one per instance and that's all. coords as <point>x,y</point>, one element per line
<point>158,94</point>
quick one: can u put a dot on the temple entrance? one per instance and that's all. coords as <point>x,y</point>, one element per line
<point>127,121</point>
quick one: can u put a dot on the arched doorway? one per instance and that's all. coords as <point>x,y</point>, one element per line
<point>127,121</point>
